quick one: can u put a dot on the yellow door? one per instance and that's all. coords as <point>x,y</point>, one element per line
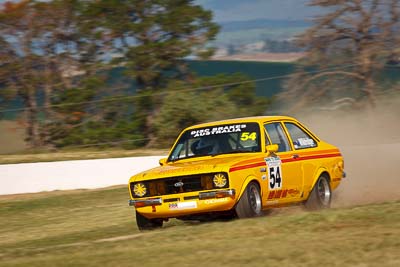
<point>284,173</point>
<point>306,147</point>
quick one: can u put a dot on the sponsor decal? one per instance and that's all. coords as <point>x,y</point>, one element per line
<point>279,194</point>
<point>173,206</point>
<point>274,167</point>
<point>218,130</point>
<point>248,136</point>
<point>304,143</point>
<point>183,205</point>
<point>175,170</point>
<point>216,200</point>
<point>293,192</point>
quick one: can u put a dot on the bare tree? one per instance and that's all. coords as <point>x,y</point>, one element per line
<point>347,48</point>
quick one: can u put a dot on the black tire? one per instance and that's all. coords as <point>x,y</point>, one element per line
<point>146,224</point>
<point>249,204</point>
<point>320,196</point>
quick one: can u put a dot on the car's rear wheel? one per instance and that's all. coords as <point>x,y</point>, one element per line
<point>249,204</point>
<point>147,224</point>
<point>321,195</point>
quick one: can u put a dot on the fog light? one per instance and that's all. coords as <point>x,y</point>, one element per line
<point>219,180</point>
<point>140,189</point>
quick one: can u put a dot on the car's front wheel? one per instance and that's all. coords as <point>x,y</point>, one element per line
<point>147,224</point>
<point>249,204</point>
<point>321,195</point>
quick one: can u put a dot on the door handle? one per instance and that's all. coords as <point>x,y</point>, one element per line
<point>295,156</point>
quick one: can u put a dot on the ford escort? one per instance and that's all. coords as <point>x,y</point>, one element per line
<point>237,168</point>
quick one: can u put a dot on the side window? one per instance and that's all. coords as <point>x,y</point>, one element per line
<point>277,136</point>
<point>300,138</point>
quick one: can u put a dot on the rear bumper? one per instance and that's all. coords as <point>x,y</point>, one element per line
<point>179,205</point>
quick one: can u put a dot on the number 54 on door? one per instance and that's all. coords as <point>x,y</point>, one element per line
<point>274,167</point>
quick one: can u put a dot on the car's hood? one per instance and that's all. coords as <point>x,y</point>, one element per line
<point>220,163</point>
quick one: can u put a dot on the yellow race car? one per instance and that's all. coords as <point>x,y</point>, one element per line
<point>237,168</point>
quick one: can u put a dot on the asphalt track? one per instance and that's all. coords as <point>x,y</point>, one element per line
<point>67,175</point>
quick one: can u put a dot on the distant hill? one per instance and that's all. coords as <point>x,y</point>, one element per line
<point>252,21</point>
<point>256,30</point>
<point>230,26</point>
<point>239,33</point>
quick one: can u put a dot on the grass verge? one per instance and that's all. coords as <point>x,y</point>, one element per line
<point>97,228</point>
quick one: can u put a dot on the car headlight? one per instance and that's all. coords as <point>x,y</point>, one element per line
<point>140,189</point>
<point>219,180</point>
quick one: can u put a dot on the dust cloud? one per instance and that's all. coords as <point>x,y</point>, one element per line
<point>369,140</point>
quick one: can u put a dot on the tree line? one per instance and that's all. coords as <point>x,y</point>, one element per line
<point>56,58</point>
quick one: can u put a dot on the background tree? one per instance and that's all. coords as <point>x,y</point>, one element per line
<point>20,66</point>
<point>51,57</point>
<point>64,58</point>
<point>206,99</point>
<point>154,37</point>
<point>347,49</point>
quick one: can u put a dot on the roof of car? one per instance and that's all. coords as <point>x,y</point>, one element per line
<point>242,120</point>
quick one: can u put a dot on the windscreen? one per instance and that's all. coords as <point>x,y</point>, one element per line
<point>216,140</point>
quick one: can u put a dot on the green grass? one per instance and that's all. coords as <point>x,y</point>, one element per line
<point>97,228</point>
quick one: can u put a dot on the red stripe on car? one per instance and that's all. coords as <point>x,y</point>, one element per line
<point>259,164</point>
<point>238,168</point>
<point>312,157</point>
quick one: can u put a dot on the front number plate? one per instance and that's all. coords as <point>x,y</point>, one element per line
<point>183,205</point>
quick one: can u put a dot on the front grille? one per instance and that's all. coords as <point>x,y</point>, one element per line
<point>171,200</point>
<point>180,184</point>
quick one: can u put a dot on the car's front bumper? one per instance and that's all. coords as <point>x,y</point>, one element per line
<point>163,207</point>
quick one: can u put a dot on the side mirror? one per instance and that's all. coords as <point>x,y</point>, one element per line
<point>272,148</point>
<point>162,161</point>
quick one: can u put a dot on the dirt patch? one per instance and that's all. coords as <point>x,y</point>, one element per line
<point>370,142</point>
<point>12,136</point>
<point>373,175</point>
<point>118,238</point>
